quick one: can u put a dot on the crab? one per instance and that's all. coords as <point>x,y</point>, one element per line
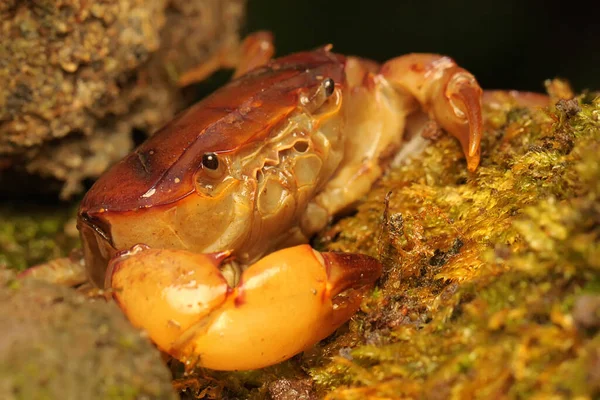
<point>200,234</point>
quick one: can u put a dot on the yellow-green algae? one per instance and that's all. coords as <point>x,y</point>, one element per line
<point>483,270</point>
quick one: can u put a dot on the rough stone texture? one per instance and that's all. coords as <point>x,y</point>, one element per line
<point>78,77</point>
<point>286,389</point>
<point>57,344</point>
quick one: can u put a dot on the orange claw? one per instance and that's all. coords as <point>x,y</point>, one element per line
<point>284,303</point>
<point>448,92</point>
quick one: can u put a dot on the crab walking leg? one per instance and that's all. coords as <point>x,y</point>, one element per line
<point>449,93</point>
<point>66,271</point>
<point>256,50</point>
<point>284,303</point>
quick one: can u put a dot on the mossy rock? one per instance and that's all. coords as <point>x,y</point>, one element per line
<point>491,284</point>
<point>57,344</point>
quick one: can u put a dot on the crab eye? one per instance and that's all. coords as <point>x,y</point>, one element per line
<point>329,86</point>
<point>212,170</point>
<point>210,161</point>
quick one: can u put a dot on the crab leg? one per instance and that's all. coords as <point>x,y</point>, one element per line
<point>284,303</point>
<point>67,271</point>
<point>256,50</point>
<point>448,92</point>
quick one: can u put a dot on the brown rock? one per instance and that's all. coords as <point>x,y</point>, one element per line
<point>77,78</point>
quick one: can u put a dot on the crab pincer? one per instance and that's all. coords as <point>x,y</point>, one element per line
<point>449,93</point>
<point>277,309</point>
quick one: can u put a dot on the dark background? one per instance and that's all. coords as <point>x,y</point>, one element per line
<point>508,44</point>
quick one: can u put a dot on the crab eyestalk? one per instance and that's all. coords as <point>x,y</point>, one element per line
<point>284,303</point>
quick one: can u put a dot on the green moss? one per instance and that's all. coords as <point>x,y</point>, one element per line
<point>32,234</point>
<point>490,317</point>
